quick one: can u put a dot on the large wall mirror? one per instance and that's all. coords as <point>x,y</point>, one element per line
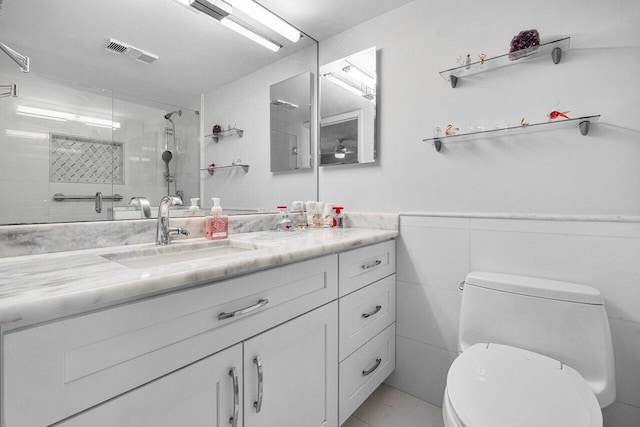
<point>348,110</point>
<point>113,108</point>
<point>290,102</point>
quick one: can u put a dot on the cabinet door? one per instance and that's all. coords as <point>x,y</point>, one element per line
<point>297,373</point>
<point>202,394</point>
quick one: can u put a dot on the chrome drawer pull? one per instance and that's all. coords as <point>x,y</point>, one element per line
<point>377,309</point>
<point>258,403</point>
<point>259,304</point>
<point>372,265</point>
<point>378,361</point>
<point>236,398</point>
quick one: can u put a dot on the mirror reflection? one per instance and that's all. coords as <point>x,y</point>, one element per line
<point>290,123</point>
<point>75,151</point>
<point>348,110</point>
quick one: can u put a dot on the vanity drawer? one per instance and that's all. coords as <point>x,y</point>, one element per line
<point>363,371</point>
<point>55,370</point>
<point>362,266</point>
<point>365,313</point>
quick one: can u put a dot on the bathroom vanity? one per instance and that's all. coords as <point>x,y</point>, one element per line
<point>296,330</point>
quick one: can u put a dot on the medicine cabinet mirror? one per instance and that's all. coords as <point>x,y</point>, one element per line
<point>348,98</point>
<point>291,123</point>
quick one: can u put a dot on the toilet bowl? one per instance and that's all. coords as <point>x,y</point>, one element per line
<point>493,385</point>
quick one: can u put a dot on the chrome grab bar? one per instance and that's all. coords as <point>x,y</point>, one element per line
<point>259,304</point>
<point>99,202</point>
<point>371,265</point>
<point>59,197</point>
<point>258,403</point>
<point>236,398</point>
<point>375,310</point>
<point>378,361</point>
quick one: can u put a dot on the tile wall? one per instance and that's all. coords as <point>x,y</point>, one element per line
<point>435,253</point>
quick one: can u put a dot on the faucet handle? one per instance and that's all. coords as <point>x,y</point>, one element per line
<point>174,231</point>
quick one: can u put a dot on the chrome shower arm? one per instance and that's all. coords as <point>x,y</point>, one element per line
<point>21,60</point>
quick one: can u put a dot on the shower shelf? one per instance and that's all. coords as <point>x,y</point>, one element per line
<point>555,48</point>
<point>225,133</point>
<point>584,124</point>
<point>212,170</point>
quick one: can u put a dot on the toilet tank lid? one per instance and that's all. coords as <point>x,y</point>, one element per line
<point>535,287</point>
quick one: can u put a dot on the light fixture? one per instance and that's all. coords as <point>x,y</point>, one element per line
<point>340,151</point>
<point>266,17</point>
<point>220,11</point>
<point>343,83</point>
<point>359,75</point>
<point>60,116</point>
<point>250,34</point>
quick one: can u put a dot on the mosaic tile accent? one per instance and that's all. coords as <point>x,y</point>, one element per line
<point>88,161</point>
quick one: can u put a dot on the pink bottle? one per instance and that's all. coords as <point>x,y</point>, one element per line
<point>216,225</point>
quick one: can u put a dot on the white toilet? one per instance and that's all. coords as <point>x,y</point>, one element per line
<point>534,353</point>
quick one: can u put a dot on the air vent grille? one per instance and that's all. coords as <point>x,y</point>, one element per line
<point>116,47</point>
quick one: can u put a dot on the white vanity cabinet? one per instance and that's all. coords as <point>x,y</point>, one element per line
<point>290,378</point>
<point>56,370</point>
<point>367,322</point>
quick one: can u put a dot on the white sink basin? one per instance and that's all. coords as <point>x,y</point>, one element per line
<point>178,252</point>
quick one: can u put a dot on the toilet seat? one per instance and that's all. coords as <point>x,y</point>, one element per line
<point>493,385</point>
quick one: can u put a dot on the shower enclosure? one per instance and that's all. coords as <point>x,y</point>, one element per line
<point>76,153</point>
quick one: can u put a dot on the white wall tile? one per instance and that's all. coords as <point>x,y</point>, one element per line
<point>609,264</point>
<point>433,256</point>
<point>626,350</point>
<point>421,370</point>
<point>428,314</point>
<point>621,415</point>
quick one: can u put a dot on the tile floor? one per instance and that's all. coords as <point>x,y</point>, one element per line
<point>389,407</point>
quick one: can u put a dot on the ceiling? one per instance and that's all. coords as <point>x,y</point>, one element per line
<point>65,39</point>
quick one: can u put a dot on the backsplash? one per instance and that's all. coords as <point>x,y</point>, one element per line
<point>18,240</point>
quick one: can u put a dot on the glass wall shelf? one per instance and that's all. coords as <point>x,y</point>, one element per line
<point>584,124</point>
<point>213,169</point>
<point>555,48</point>
<point>225,133</point>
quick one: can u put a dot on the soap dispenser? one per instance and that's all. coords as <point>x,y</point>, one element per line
<point>216,225</point>
<point>194,209</point>
<point>285,223</point>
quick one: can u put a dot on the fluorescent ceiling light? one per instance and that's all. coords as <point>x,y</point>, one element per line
<point>266,17</point>
<point>26,134</point>
<point>60,116</point>
<point>216,9</point>
<point>251,35</point>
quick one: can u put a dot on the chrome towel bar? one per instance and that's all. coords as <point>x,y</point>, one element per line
<point>59,197</point>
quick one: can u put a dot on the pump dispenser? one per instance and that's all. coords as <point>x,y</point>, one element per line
<point>216,225</point>
<point>338,219</point>
<point>194,209</point>
<point>285,223</point>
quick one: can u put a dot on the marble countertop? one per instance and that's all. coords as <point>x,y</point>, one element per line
<point>37,288</point>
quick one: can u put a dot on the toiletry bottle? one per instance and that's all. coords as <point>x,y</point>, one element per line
<point>216,225</point>
<point>338,219</point>
<point>285,223</point>
<point>298,215</point>
<point>194,209</point>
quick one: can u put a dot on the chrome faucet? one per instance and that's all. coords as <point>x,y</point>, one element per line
<point>145,207</point>
<point>163,231</point>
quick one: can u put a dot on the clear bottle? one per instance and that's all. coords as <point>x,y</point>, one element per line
<point>216,225</point>
<point>285,223</point>
<point>194,209</point>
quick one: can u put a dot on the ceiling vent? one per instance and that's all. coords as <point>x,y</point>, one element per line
<point>139,55</point>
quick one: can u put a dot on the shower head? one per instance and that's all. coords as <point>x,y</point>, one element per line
<point>168,115</point>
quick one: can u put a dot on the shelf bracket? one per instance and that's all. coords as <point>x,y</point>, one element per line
<point>438,144</point>
<point>454,82</point>
<point>584,127</point>
<point>556,55</point>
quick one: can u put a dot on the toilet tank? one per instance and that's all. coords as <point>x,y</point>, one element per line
<point>565,321</point>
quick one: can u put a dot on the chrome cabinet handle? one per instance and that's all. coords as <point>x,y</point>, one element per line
<point>259,304</point>
<point>236,398</point>
<point>372,265</point>
<point>378,361</point>
<point>377,309</point>
<point>98,202</point>
<point>258,403</point>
